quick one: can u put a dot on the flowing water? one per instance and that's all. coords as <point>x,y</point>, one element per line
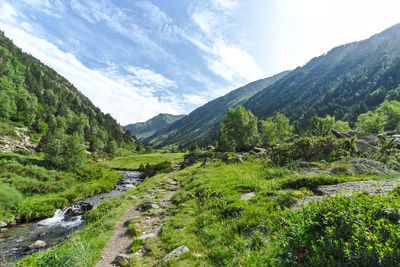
<point>15,242</point>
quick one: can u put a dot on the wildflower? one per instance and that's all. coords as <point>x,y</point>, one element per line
<point>301,256</point>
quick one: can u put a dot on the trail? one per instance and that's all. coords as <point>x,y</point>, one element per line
<point>148,226</point>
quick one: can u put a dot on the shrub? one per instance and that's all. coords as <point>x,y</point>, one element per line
<point>362,230</point>
<point>9,197</point>
<point>311,148</point>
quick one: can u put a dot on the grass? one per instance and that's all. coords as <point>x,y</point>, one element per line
<point>209,217</point>
<point>85,246</point>
<point>31,192</point>
<point>133,162</point>
<point>219,228</point>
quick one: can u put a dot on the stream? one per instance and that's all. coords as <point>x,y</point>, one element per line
<point>15,242</point>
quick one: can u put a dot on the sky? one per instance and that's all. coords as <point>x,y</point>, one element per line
<point>135,59</point>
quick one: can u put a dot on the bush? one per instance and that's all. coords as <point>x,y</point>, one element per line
<point>89,174</point>
<point>361,230</point>
<point>311,148</point>
<point>9,197</point>
<point>151,170</point>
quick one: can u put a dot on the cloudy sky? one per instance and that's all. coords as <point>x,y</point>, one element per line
<point>135,59</point>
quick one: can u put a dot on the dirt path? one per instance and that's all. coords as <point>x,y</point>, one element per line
<point>148,222</point>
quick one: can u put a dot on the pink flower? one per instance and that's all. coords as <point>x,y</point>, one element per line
<point>301,255</point>
<point>307,251</point>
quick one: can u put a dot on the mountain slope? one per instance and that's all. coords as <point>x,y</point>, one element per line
<point>35,96</point>
<point>346,81</point>
<point>145,129</point>
<point>201,125</point>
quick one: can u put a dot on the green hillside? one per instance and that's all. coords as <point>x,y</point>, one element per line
<point>145,129</point>
<point>33,95</point>
<point>346,81</point>
<point>202,124</point>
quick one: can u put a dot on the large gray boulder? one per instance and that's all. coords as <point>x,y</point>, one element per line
<point>175,254</point>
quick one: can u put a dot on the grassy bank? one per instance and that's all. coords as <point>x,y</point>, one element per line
<point>212,217</point>
<point>133,162</point>
<point>30,191</point>
<point>85,246</point>
<point>221,229</point>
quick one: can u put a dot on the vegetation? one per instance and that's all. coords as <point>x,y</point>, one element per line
<point>36,97</point>
<point>30,191</point>
<point>145,129</point>
<point>202,124</point>
<point>385,117</point>
<point>342,231</point>
<point>239,131</point>
<point>133,161</point>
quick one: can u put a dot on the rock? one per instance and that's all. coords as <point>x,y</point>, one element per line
<point>210,148</point>
<point>145,205</point>
<point>2,230</point>
<point>259,150</point>
<point>248,196</point>
<point>132,197</point>
<point>78,209</point>
<point>122,260</point>
<point>175,254</point>
<point>214,194</point>
<point>305,164</point>
<point>146,236</point>
<point>3,224</point>
<point>155,206</point>
<point>340,134</point>
<point>38,244</point>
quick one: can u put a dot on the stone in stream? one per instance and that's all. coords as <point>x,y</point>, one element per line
<point>175,254</point>
<point>3,224</point>
<point>38,244</point>
<point>78,209</point>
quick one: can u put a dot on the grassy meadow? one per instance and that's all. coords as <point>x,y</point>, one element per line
<point>210,216</point>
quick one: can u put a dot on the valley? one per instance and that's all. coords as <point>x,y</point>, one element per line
<point>300,168</point>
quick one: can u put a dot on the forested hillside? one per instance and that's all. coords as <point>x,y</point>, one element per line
<point>145,129</point>
<point>35,96</point>
<point>202,124</point>
<point>345,82</point>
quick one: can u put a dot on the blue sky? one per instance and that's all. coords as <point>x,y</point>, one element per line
<point>135,59</point>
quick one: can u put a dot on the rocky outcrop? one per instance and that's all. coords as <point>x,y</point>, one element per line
<point>174,254</point>
<point>20,142</point>
<point>364,142</point>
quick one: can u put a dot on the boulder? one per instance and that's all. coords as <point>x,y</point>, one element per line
<point>145,205</point>
<point>38,244</point>
<point>78,209</point>
<point>3,224</point>
<point>248,196</point>
<point>174,254</point>
<point>122,260</point>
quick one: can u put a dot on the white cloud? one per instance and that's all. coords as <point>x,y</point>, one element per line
<point>206,20</point>
<point>225,59</point>
<point>225,4</point>
<point>8,13</point>
<point>142,76</point>
<point>113,93</point>
<point>194,99</point>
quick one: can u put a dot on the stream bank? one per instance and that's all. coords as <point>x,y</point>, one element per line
<point>24,239</point>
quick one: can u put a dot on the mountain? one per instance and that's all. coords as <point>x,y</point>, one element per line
<point>35,97</point>
<point>202,124</point>
<point>145,129</point>
<point>346,81</point>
